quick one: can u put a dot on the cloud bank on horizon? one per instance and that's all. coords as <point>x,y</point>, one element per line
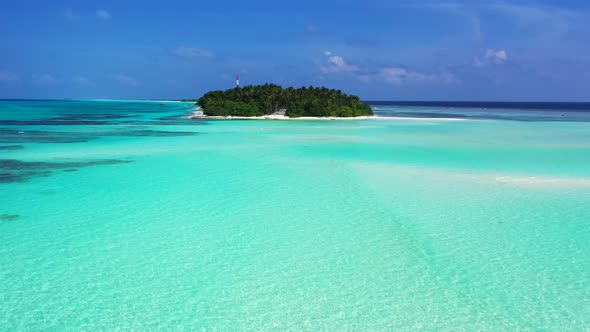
<point>387,50</point>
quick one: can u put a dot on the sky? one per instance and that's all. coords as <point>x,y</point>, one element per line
<point>521,50</point>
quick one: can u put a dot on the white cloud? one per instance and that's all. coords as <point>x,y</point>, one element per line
<point>126,80</point>
<point>45,79</point>
<point>337,60</point>
<point>103,14</point>
<point>338,65</point>
<point>70,14</point>
<point>399,75</point>
<point>388,74</point>
<point>497,55</point>
<point>491,57</point>
<point>393,74</point>
<point>78,79</point>
<point>192,53</point>
<point>8,78</point>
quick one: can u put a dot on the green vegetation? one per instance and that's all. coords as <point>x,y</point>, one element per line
<point>258,100</point>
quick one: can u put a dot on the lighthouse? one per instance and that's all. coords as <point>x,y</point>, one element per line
<point>237,81</point>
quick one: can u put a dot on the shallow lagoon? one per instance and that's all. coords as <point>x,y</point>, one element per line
<point>126,215</point>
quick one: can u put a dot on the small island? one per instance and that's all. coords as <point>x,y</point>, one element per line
<point>271,101</point>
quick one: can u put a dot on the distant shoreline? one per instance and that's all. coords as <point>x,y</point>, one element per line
<point>198,115</point>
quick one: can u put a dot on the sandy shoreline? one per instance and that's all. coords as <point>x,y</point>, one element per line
<point>198,114</point>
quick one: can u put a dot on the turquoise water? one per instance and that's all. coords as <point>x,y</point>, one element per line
<point>125,215</point>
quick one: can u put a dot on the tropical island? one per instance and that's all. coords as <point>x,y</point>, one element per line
<point>273,102</point>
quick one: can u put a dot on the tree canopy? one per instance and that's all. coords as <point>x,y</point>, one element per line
<point>258,100</point>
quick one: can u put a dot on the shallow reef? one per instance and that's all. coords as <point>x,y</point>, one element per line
<point>11,147</point>
<point>12,170</point>
<point>9,217</point>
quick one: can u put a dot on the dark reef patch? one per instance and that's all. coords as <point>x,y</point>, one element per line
<point>22,176</point>
<point>12,170</point>
<point>9,217</point>
<point>170,122</point>
<point>182,119</point>
<point>41,136</point>
<point>172,118</point>
<point>71,120</point>
<point>152,133</point>
<point>51,122</point>
<point>9,136</point>
<point>11,147</point>
<point>91,117</point>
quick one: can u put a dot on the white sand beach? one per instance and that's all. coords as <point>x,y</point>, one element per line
<point>198,114</point>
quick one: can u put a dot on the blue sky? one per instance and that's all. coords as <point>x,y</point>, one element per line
<point>377,49</point>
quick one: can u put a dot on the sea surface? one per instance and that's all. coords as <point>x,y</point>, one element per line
<point>126,215</point>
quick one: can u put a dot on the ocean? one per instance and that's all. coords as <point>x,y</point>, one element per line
<point>126,215</point>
